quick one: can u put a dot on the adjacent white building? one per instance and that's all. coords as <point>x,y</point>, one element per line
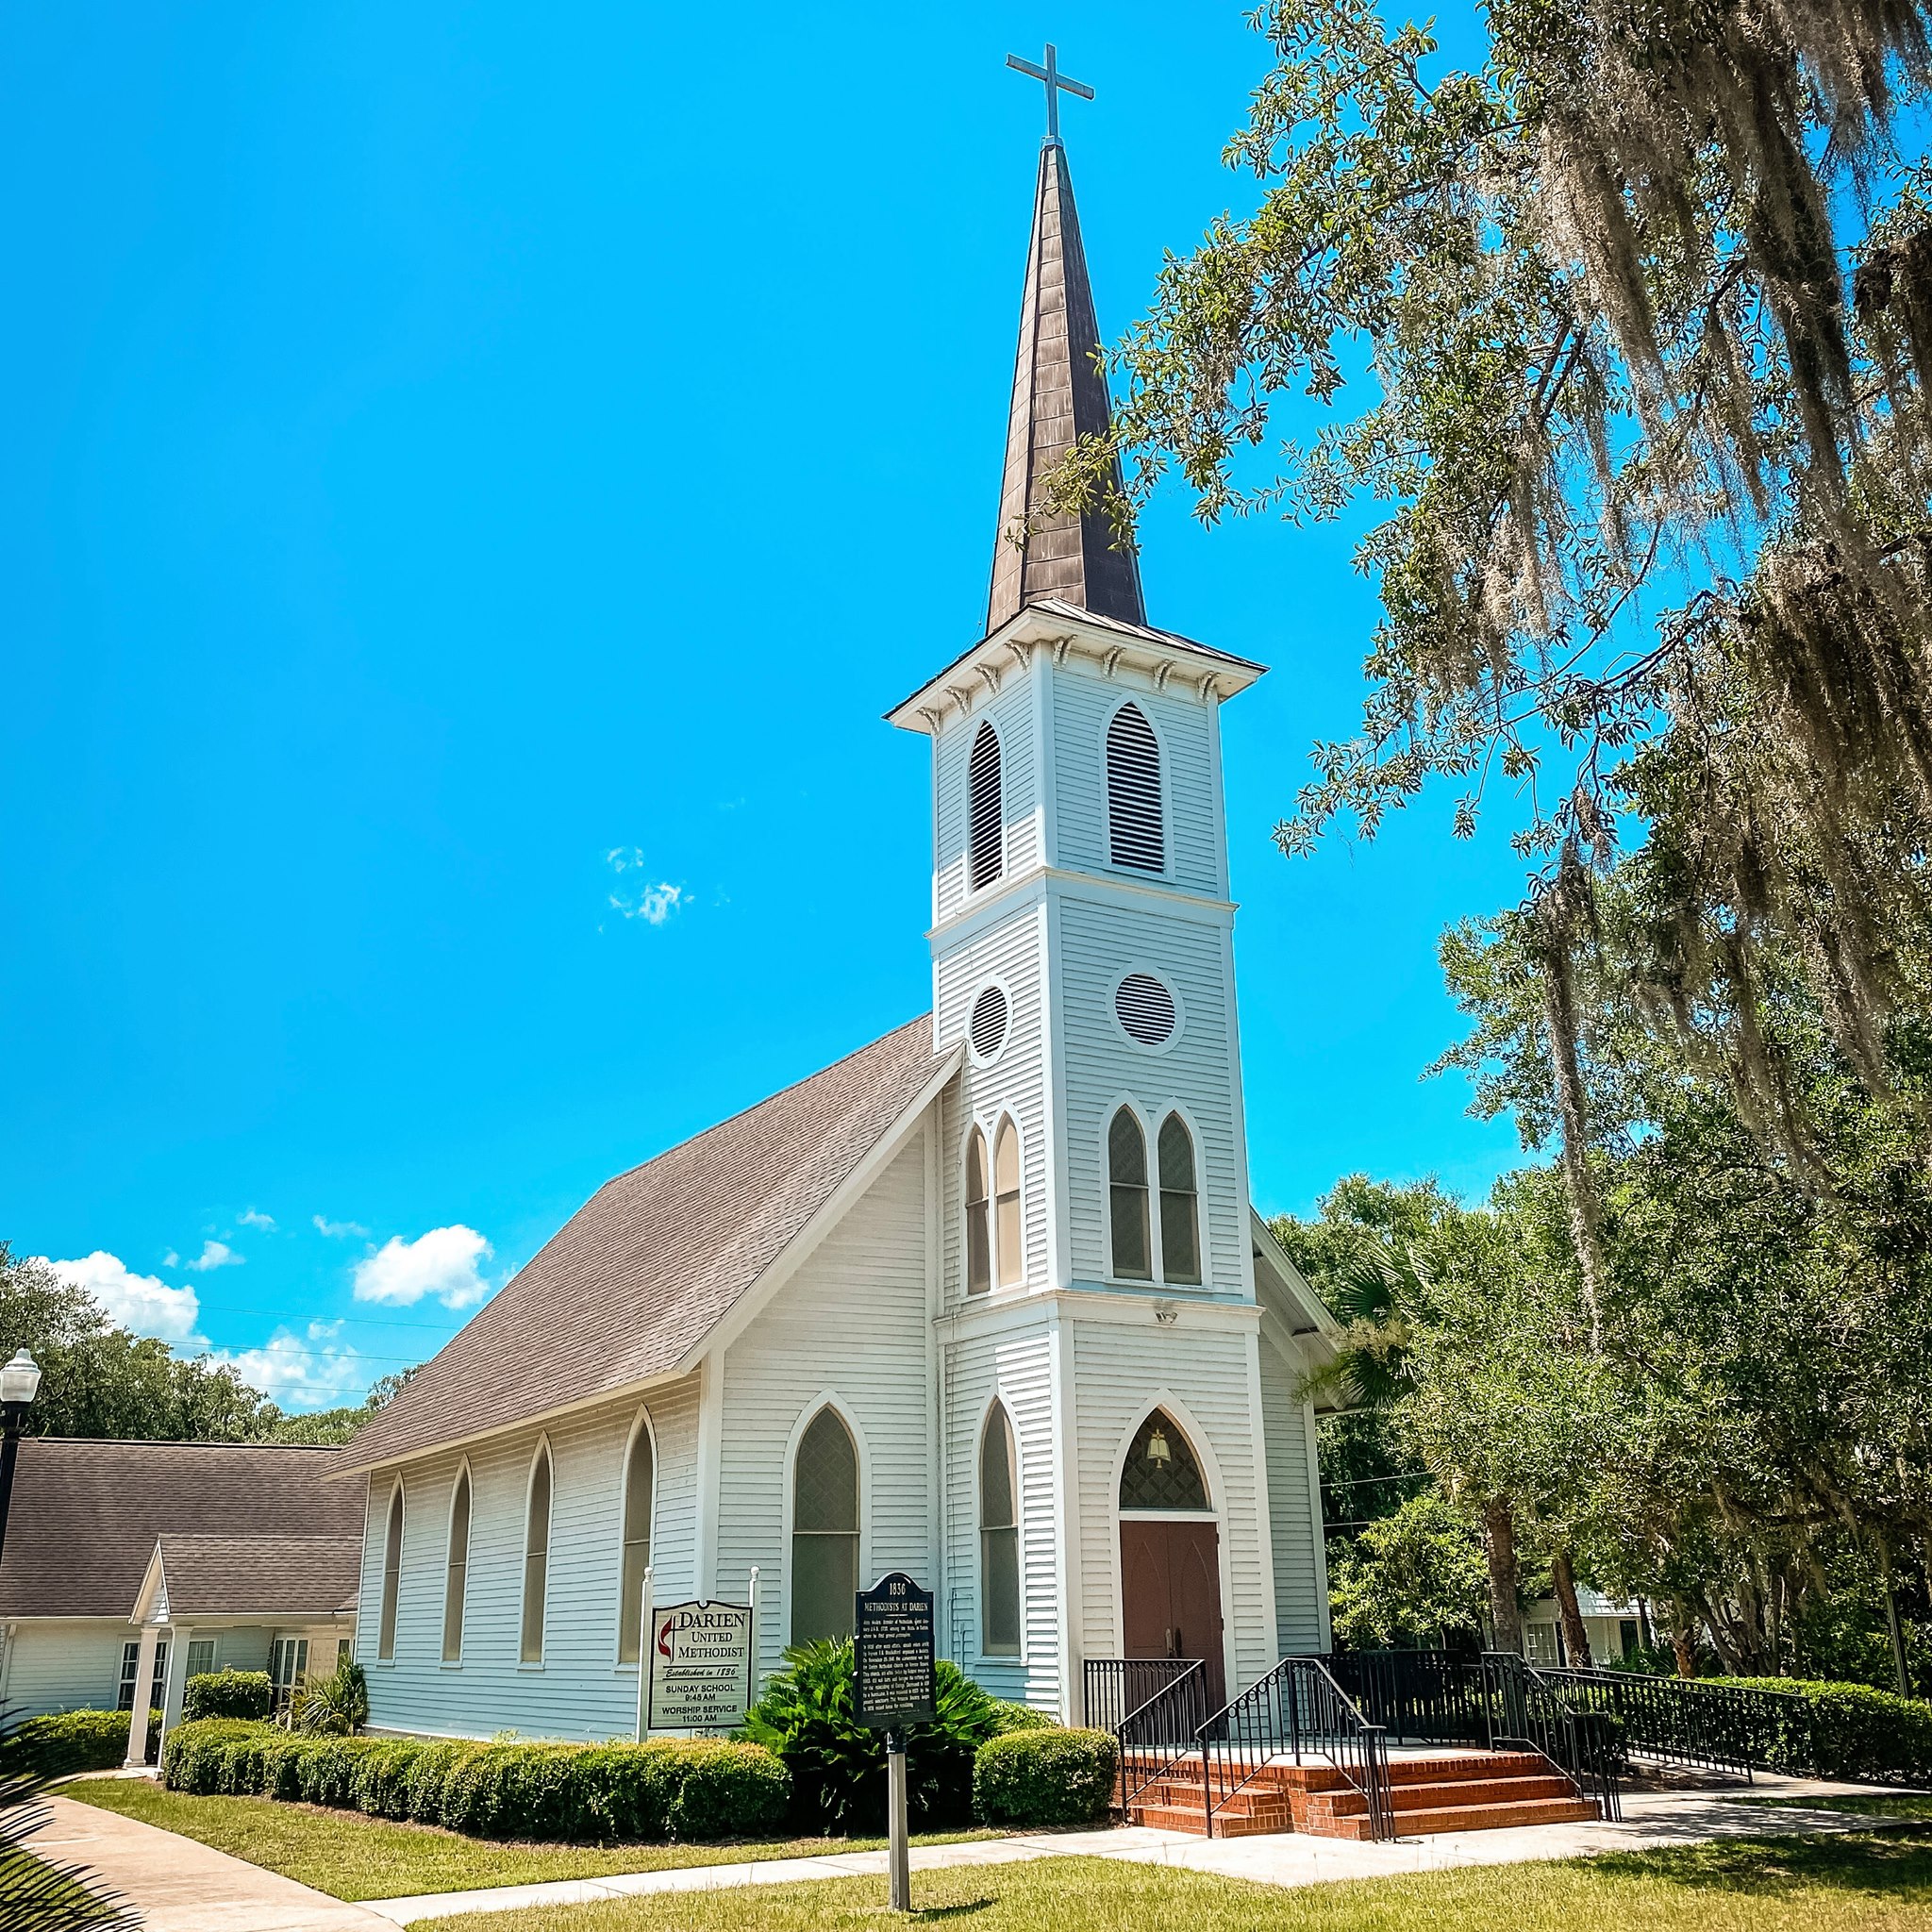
<point>987,1301</point>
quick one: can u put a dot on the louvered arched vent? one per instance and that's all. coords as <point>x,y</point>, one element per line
<point>1144,1008</point>
<point>1133,793</point>
<point>983,841</point>
<point>987,1026</point>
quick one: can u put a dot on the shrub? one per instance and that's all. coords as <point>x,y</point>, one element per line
<point>514,1790</point>
<point>425,1781</point>
<point>227,1694</point>
<point>630,1791</point>
<point>1846,1731</point>
<point>382,1777</point>
<point>730,1791</point>
<point>281,1761</point>
<point>1041,1778</point>
<point>1009,1718</point>
<point>334,1706</point>
<point>69,1741</point>
<point>194,1755</point>
<point>838,1766</point>
<point>326,1768</point>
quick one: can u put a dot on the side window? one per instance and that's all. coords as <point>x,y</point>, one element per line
<point>1135,835</point>
<point>391,1576</point>
<point>824,1531</point>
<point>999,1539</point>
<point>638,1476</point>
<point>978,1221</point>
<point>985,812</point>
<point>536,1557</point>
<point>1127,1174</point>
<point>1180,1217</point>
<point>1009,1245</point>
<point>457,1569</point>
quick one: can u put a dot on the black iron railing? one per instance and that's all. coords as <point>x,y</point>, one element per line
<point>1297,1708</point>
<point>1679,1720</point>
<point>1115,1686</point>
<point>1531,1707</point>
<point>1421,1697</point>
<point>1154,1739</point>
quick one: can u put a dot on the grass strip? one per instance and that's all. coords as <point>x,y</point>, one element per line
<point>351,1857</point>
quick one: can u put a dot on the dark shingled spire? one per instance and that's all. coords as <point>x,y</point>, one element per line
<point>1057,398</point>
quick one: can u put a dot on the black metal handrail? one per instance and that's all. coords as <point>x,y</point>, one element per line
<point>1116,1685</point>
<point>1428,1697</point>
<point>1297,1707</point>
<point>1680,1720</point>
<point>1153,1738</point>
<point>1531,1707</point>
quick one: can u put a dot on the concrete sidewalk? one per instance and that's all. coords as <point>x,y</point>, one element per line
<point>179,1886</point>
<point>1650,1820</point>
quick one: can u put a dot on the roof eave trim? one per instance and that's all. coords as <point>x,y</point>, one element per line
<point>1295,1285</point>
<point>864,1172</point>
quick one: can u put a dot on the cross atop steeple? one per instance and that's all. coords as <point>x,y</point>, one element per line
<point>1054,81</point>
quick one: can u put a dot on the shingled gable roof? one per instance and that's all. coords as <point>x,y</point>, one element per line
<point>301,1577</point>
<point>637,1280</point>
<point>85,1514</point>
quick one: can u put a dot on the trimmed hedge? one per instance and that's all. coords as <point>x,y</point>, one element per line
<point>1007,1718</point>
<point>69,1741</point>
<point>1044,1776</point>
<point>577,1793</point>
<point>1847,1730</point>
<point>227,1694</point>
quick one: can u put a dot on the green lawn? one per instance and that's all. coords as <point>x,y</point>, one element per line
<point>1865,1804</point>
<point>34,1894</point>
<point>351,1857</point>
<point>1864,1883</point>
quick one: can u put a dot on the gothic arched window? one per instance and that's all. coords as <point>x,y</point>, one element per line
<point>1134,832</point>
<point>825,1530</point>
<point>985,817</point>
<point>536,1556</point>
<point>455,1569</point>
<point>391,1576</point>
<point>999,1538</point>
<point>1161,1472</point>
<point>639,1476</point>
<point>1180,1217</point>
<point>1127,1189</point>
<point>978,1212</point>
<point>1009,1244</point>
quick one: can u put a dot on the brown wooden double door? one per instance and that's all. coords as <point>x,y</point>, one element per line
<point>1171,1593</point>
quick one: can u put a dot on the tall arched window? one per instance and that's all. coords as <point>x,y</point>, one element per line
<point>1180,1218</point>
<point>824,1531</point>
<point>391,1576</point>
<point>536,1556</point>
<point>1134,833</point>
<point>455,1569</point>
<point>978,1222</point>
<point>1008,1246</point>
<point>1127,1177</point>
<point>985,816</point>
<point>999,1539</point>
<point>639,1473</point>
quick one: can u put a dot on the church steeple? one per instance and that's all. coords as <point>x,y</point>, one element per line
<point>1058,397</point>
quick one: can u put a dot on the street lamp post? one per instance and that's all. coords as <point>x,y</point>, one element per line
<point>19,1382</point>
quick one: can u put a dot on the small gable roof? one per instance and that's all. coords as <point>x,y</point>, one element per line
<point>239,1575</point>
<point>640,1275</point>
<point>86,1514</point>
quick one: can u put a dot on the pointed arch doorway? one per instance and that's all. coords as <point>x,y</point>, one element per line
<point>1170,1554</point>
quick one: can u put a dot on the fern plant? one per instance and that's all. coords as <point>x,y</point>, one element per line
<point>335,1706</point>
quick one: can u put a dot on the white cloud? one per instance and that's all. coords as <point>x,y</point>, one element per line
<point>654,903</point>
<point>309,1370</point>
<point>254,1218</point>
<point>336,1230</point>
<point>213,1255</point>
<point>441,1262</point>
<point>141,1302</point>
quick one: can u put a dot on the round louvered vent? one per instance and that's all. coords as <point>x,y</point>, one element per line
<point>987,1026</point>
<point>1144,1008</point>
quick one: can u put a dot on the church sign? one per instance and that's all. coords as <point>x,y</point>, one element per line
<point>893,1645</point>
<point>700,1677</point>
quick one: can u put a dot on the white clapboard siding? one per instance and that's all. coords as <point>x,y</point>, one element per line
<point>1117,1370</point>
<point>62,1663</point>
<point>1098,943</point>
<point>1016,1367</point>
<point>1010,713</point>
<point>1300,1581</point>
<point>1012,952</point>
<point>852,1323</point>
<point>1084,702</point>
<point>579,1690</point>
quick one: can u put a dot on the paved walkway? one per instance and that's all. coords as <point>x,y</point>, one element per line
<point>179,1886</point>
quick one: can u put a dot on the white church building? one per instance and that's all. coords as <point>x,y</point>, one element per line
<point>986,1302</point>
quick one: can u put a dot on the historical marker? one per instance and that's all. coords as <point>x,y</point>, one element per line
<point>893,1641</point>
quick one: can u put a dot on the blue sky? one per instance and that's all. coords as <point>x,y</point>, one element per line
<point>449,446</point>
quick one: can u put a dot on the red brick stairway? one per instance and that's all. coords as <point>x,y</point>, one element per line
<point>1455,1791</point>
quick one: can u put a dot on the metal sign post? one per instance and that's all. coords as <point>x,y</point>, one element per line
<point>895,1687</point>
<point>644,1660</point>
